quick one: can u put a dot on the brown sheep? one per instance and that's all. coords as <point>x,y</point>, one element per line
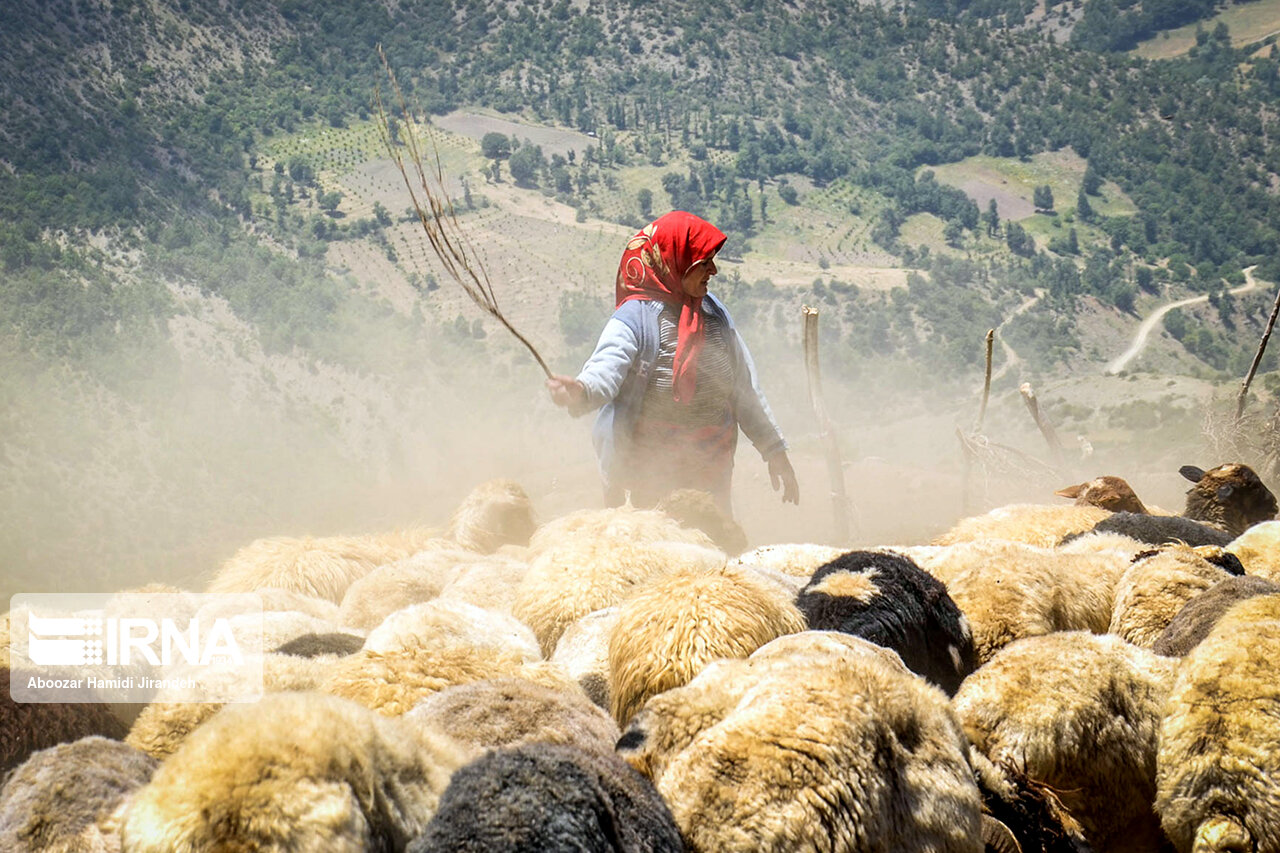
<point>1231,497</point>
<point>1109,493</point>
<point>697,509</point>
<point>513,711</point>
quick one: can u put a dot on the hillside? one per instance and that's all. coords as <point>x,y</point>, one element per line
<point>221,323</point>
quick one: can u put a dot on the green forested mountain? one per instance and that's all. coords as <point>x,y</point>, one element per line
<point>176,280</point>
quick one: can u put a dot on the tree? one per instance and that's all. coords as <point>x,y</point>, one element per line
<point>954,234</point>
<point>1083,208</point>
<point>1020,243</point>
<point>525,164</point>
<point>645,199</point>
<point>329,201</point>
<point>1092,181</point>
<point>1043,197</point>
<point>992,218</point>
<point>495,146</point>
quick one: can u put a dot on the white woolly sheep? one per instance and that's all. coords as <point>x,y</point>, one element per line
<point>440,622</point>
<point>393,587</point>
<point>1078,713</point>
<point>165,723</point>
<point>322,567</point>
<point>393,682</point>
<point>1258,549</point>
<point>1117,545</point>
<point>886,598</point>
<point>1034,524</point>
<point>795,560</point>
<point>810,744</point>
<point>494,514</point>
<point>1198,616</point>
<point>1218,772</point>
<point>568,581</point>
<point>297,771</point>
<point>506,712</point>
<point>286,599</point>
<point>549,797</point>
<point>583,652</point>
<point>1010,590</point>
<point>673,627</point>
<point>1158,584</point>
<point>490,583</point>
<point>622,523</point>
<point>62,799</point>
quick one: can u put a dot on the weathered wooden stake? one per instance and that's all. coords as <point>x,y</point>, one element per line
<point>840,505</point>
<point>1257,359</point>
<point>986,384</point>
<point>1046,429</point>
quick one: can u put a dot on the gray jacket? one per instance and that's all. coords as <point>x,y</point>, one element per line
<point>616,374</point>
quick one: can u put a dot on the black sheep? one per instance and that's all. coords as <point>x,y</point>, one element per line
<point>59,797</point>
<point>26,727</point>
<point>889,600</point>
<point>544,797</point>
<point>1198,616</point>
<point>1160,529</point>
<point>315,645</point>
<point>1232,497</point>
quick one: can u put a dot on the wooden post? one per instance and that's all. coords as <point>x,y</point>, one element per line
<point>986,384</point>
<point>840,505</point>
<point>1046,429</point>
<point>1257,359</point>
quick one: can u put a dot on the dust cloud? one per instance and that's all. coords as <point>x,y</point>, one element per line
<point>110,484</point>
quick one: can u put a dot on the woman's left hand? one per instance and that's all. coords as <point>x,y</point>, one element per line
<point>781,474</point>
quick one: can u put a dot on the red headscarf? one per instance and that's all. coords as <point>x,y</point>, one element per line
<point>653,267</point>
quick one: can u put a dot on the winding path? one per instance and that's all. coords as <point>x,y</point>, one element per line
<point>1121,361</point>
<point>1011,358</point>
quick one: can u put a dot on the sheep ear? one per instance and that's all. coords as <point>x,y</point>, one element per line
<point>1192,473</point>
<point>1071,491</point>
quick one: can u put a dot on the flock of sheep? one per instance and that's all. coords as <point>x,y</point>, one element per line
<point>1040,678</point>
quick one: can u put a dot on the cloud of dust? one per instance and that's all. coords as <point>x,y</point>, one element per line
<point>109,487</point>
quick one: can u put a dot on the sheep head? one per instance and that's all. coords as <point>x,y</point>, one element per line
<point>1231,496</point>
<point>1106,492</point>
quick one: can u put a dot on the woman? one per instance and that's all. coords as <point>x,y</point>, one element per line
<point>671,376</point>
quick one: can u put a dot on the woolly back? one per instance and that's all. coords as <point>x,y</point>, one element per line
<point>672,628</point>
<point>1218,773</point>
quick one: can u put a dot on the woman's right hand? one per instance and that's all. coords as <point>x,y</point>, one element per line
<point>565,390</point>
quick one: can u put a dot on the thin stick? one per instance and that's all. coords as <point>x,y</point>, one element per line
<point>840,506</point>
<point>1046,429</point>
<point>986,384</point>
<point>1257,359</point>
<point>435,210</point>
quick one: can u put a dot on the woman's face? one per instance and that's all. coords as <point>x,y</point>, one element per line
<point>695,280</point>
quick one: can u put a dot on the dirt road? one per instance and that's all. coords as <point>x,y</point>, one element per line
<point>1144,331</point>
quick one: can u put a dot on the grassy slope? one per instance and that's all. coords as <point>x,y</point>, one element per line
<point>1248,22</point>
